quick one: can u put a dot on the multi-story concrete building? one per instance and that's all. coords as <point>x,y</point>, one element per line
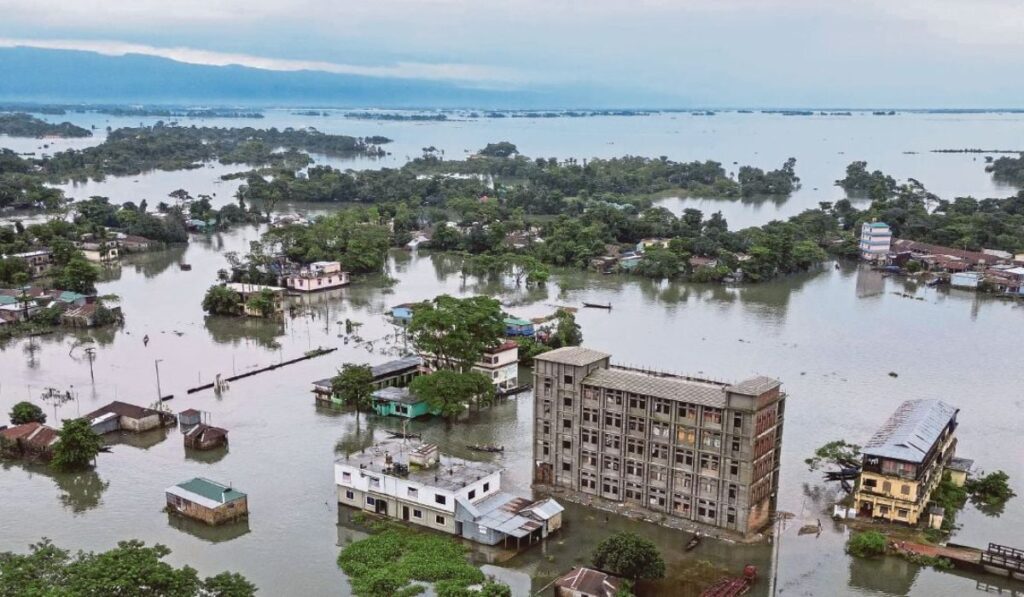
<point>904,461</point>
<point>319,275</point>
<point>419,485</point>
<point>501,365</point>
<point>693,449</point>
<point>875,241</point>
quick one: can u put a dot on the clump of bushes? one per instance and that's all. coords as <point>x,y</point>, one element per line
<point>866,544</point>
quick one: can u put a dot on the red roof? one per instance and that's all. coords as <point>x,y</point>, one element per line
<point>32,435</point>
<point>506,345</point>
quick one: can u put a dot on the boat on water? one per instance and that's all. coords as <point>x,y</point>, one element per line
<point>484,448</point>
<point>597,306</point>
<point>403,435</point>
<point>185,267</point>
<point>693,542</point>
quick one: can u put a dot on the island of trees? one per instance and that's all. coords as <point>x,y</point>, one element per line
<point>20,124</point>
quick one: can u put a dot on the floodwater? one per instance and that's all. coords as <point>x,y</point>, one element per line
<point>899,145</point>
<point>832,336</point>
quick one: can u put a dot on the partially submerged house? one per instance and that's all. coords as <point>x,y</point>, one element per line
<point>416,484</point>
<point>396,373</point>
<point>501,365</point>
<point>319,275</point>
<point>516,326</point>
<point>208,501</point>
<point>247,291</point>
<point>587,582</point>
<point>121,416</point>
<point>38,261</point>
<point>400,402</point>
<point>205,437</point>
<point>30,440</point>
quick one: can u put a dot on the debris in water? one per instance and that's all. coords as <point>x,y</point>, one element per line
<point>893,374</point>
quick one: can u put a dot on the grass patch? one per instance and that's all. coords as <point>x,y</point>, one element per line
<point>385,563</point>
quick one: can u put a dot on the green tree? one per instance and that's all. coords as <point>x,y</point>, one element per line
<point>451,392</point>
<point>263,302</point>
<point>77,446</point>
<point>838,453</point>
<point>501,149</point>
<point>130,570</point>
<point>26,412</point>
<point>567,331</point>
<point>354,385</point>
<point>866,544</point>
<point>456,332</point>
<point>221,300</point>
<point>78,275</point>
<point>629,555</point>
<point>990,492</point>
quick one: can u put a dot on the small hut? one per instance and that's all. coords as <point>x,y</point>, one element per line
<point>205,437</point>
<point>190,417</point>
<point>207,501</point>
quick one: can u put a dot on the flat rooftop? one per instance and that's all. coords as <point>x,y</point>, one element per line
<point>450,474</point>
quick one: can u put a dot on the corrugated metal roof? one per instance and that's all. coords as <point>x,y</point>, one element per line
<point>205,492</point>
<point>705,393</point>
<point>576,356</point>
<point>390,367</point>
<point>543,509</point>
<point>911,431</point>
<point>755,386</point>
<point>393,394</point>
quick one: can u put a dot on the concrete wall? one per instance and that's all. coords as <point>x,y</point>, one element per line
<point>213,516</point>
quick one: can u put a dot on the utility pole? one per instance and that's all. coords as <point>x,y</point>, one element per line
<point>159,394</point>
<point>90,352</point>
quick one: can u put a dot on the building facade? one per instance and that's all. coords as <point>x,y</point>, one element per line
<point>319,275</point>
<point>501,366</point>
<point>418,485</point>
<point>693,449</point>
<point>875,241</point>
<point>208,501</point>
<point>904,461</point>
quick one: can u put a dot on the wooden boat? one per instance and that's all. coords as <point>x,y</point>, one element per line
<point>479,448</point>
<point>402,435</point>
<point>598,306</point>
<point>185,267</point>
<point>693,542</point>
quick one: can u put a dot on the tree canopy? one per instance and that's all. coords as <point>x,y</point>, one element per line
<point>26,412</point>
<point>455,332</point>
<point>77,447</point>
<point>452,392</point>
<point>129,570</point>
<point>629,555</point>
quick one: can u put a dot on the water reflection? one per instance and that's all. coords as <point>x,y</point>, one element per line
<point>77,492</point>
<point>142,441</point>
<point>886,575</point>
<point>207,456</point>
<point>209,533</point>
<point>247,331</point>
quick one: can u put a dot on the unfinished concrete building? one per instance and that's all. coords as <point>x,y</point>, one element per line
<point>692,449</point>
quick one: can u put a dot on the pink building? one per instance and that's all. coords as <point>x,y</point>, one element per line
<point>319,275</point>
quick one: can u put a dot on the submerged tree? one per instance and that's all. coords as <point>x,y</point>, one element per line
<point>451,392</point>
<point>629,555</point>
<point>354,385</point>
<point>77,447</point>
<point>26,412</point>
<point>456,332</point>
<point>837,453</point>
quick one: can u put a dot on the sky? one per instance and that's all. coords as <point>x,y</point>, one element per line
<point>688,53</point>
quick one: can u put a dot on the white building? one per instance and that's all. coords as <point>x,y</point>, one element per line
<point>416,484</point>
<point>319,275</point>
<point>875,241</point>
<point>501,365</point>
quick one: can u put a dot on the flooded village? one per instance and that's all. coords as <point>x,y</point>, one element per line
<point>684,417</point>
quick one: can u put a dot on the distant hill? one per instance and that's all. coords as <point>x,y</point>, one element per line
<point>66,76</point>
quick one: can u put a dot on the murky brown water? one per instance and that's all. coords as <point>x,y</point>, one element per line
<point>831,336</point>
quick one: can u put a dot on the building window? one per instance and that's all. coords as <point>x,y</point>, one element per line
<point>611,463</point>
<point>417,514</point>
<point>613,420</point>
<point>567,467</point>
<point>412,492</point>
<point>686,436</point>
<point>687,411</point>
<point>708,462</point>
<point>658,474</point>
<point>613,399</point>
<point>730,516</point>
<point>660,430</point>
<point>659,451</point>
<point>590,415</point>
<point>711,440</point>
<point>611,442</point>
<point>637,425</point>
<point>567,379</point>
<point>349,495</point>
<point>567,401</point>
<point>635,447</point>
<point>471,494</point>
<point>566,424</point>
<point>737,422</point>
<point>734,469</point>
<point>634,468</point>
<point>588,481</point>
<point>374,482</point>
<point>370,501</point>
<point>706,509</point>
<point>735,445</point>
<point>567,444</point>
<point>637,402</point>
<point>708,486</point>
<point>439,519</point>
<point>684,458</point>
<point>547,407</point>
<point>440,499</point>
<point>905,489</point>
<point>589,437</point>
<point>662,407</point>
<point>487,486</point>
<point>634,492</point>
<point>902,512</point>
<point>589,458</point>
<point>545,428</point>
<point>681,504</point>
<point>346,477</point>
<point>656,497</point>
<point>712,417</point>
<point>886,487</point>
<point>610,486</point>
<point>545,449</point>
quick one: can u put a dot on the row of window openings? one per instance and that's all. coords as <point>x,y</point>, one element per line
<point>680,503</point>
<point>711,416</point>
<point>684,436</point>
<point>887,486</point>
<point>414,492</point>
<point>418,514</point>
<point>708,486</point>
<point>683,458</point>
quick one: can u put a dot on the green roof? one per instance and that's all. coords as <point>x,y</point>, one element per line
<point>67,296</point>
<point>517,321</point>
<point>211,490</point>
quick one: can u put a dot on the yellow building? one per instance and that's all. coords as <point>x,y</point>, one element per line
<point>904,461</point>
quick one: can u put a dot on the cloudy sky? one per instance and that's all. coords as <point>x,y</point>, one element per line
<point>857,53</point>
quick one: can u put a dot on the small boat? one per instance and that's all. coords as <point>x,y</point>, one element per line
<point>185,267</point>
<point>403,435</point>
<point>479,448</point>
<point>693,542</point>
<point>598,306</point>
